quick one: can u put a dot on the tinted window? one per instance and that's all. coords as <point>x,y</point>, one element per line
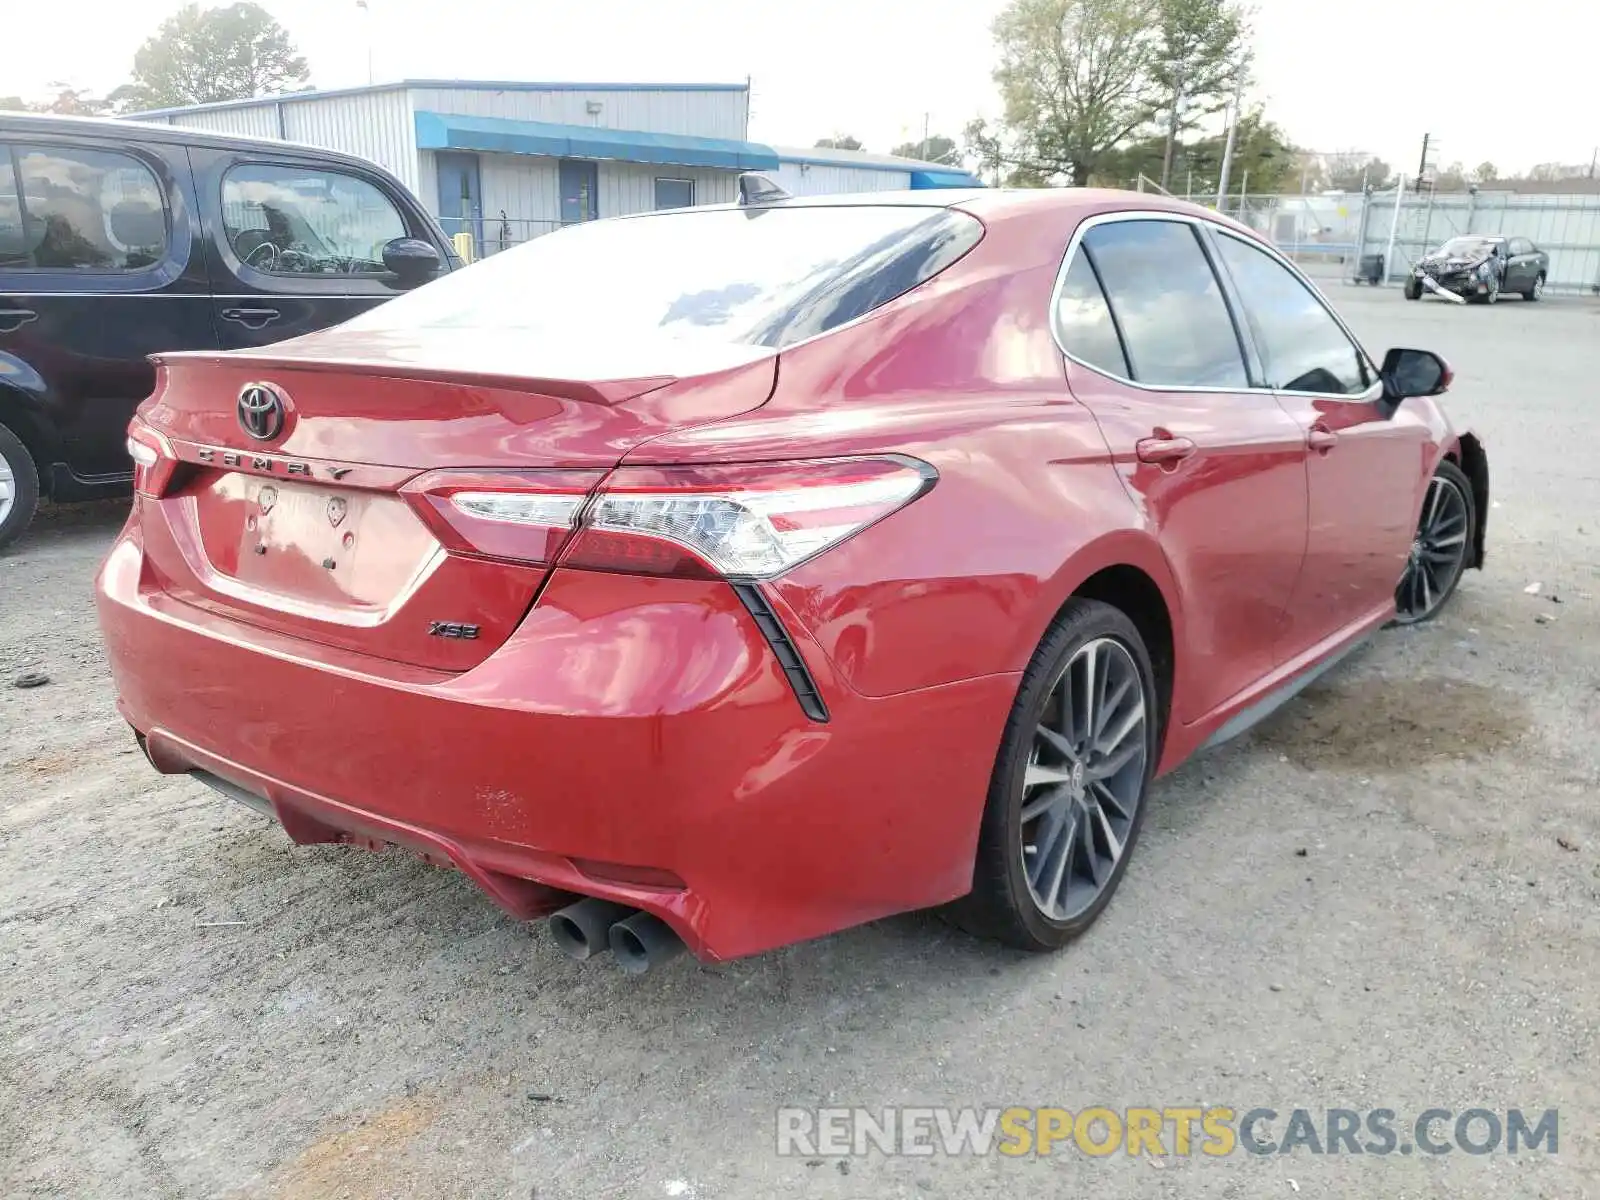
<point>1521,246</point>
<point>762,277</point>
<point>1084,320</point>
<point>1302,347</point>
<point>307,221</point>
<point>14,249</point>
<point>674,193</point>
<point>1168,303</point>
<point>80,210</point>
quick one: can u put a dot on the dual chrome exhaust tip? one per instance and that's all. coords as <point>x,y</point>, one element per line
<point>638,940</point>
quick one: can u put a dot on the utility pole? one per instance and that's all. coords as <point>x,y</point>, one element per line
<point>366,8</point>
<point>924,155</point>
<point>1422,163</point>
<point>1593,160</point>
<point>1227,147</point>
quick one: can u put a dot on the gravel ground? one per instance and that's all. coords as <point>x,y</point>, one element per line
<point>1385,897</point>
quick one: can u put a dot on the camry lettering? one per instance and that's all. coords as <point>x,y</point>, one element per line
<point>266,464</point>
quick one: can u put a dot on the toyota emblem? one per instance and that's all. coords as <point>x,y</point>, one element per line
<point>261,411</point>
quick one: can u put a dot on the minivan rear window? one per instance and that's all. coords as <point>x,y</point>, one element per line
<point>754,276</point>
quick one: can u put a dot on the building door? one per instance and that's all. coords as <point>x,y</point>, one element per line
<point>580,191</point>
<point>461,197</point>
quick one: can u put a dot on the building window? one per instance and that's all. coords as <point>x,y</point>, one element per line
<point>79,210</point>
<point>674,193</point>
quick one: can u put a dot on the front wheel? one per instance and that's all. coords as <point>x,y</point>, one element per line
<point>1413,289</point>
<point>1067,797</point>
<point>1444,539</point>
<point>19,487</point>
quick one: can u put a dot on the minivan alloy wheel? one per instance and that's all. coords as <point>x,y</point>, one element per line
<point>1084,779</point>
<point>8,489</point>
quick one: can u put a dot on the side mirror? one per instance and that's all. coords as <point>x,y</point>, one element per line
<point>411,260</point>
<point>1408,373</point>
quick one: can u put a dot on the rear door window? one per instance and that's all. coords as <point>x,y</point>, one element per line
<point>1303,349</point>
<point>1167,302</point>
<point>70,208</point>
<point>289,220</point>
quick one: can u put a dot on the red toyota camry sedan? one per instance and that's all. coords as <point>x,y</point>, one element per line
<point>728,576</point>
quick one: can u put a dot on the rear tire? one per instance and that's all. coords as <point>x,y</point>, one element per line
<point>19,487</point>
<point>1089,678</point>
<point>1536,292</point>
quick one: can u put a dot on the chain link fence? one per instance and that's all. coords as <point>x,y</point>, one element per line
<point>1336,231</point>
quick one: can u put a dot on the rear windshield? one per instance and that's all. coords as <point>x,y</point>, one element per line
<point>761,277</point>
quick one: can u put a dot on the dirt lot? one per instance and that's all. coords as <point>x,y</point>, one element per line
<point>1387,897</point>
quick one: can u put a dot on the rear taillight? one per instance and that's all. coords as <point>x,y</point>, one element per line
<point>522,516</point>
<point>153,460</point>
<point>749,521</point>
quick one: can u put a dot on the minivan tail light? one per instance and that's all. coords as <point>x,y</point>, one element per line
<point>745,521</point>
<point>154,463</point>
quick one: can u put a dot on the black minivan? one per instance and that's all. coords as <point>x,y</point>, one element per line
<point>120,239</point>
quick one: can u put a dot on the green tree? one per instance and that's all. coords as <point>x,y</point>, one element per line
<point>1348,172</point>
<point>65,101</point>
<point>1075,77</point>
<point>1486,172</point>
<point>198,56</point>
<point>937,148</point>
<point>1197,64</point>
<point>839,141</point>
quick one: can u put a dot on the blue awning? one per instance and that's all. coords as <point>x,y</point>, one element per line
<point>922,180</point>
<point>497,135</point>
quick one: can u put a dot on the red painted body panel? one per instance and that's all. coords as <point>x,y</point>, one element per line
<point>632,721</point>
<point>645,722</point>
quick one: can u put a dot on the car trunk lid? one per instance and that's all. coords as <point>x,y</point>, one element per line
<point>307,531</point>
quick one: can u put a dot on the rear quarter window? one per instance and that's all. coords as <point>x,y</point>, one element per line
<point>71,208</point>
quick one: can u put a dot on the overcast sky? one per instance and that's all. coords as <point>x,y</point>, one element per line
<point>1357,74</point>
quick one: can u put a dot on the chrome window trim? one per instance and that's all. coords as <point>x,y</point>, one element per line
<point>1217,227</point>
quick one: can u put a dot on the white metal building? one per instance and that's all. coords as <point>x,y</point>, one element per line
<point>819,172</point>
<point>507,161</point>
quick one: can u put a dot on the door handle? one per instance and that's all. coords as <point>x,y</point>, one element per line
<point>251,318</point>
<point>1164,449</point>
<point>1320,437</point>
<point>13,319</point>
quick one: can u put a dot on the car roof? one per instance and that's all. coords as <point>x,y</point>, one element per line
<point>150,131</point>
<point>988,203</point>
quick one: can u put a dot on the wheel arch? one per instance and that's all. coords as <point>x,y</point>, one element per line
<point>1468,454</point>
<point>18,413</point>
<point>1129,571</point>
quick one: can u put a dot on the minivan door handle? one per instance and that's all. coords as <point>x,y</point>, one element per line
<point>1320,438</point>
<point>13,319</point>
<point>251,318</point>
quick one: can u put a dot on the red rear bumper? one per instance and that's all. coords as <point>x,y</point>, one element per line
<point>627,724</point>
